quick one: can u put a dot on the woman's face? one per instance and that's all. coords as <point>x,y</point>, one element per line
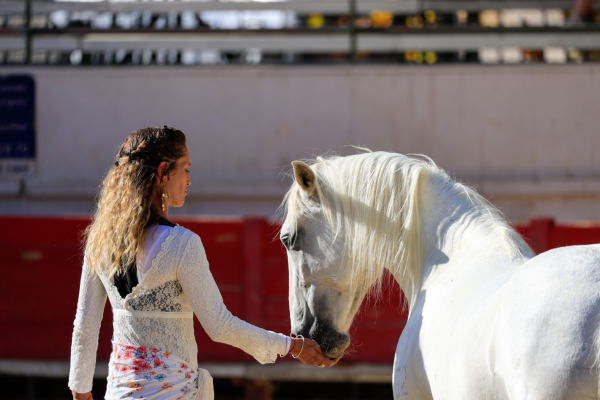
<point>178,181</point>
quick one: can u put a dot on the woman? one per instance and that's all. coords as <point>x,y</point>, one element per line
<point>156,276</point>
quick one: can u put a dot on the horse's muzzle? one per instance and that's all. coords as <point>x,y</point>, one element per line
<point>331,342</point>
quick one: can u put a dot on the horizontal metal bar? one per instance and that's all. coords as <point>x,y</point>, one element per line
<point>463,41</point>
<point>325,42</point>
<point>301,6</point>
<point>12,42</point>
<point>478,5</point>
<point>233,42</point>
<point>395,30</point>
<point>181,31</point>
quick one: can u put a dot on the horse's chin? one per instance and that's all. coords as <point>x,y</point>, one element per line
<point>337,353</point>
<point>334,348</point>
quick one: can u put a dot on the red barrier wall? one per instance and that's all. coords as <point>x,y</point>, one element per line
<point>543,234</point>
<point>41,267</point>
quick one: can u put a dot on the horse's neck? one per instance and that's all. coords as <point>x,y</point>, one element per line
<point>456,238</point>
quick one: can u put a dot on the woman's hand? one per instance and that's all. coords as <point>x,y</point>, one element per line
<point>311,353</point>
<point>81,396</point>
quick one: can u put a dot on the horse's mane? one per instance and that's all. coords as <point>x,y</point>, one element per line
<point>374,196</point>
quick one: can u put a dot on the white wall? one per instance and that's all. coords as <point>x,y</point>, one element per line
<point>528,136</point>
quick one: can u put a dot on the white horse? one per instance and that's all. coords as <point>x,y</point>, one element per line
<point>487,319</point>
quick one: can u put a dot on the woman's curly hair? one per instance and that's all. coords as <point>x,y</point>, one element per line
<point>124,211</point>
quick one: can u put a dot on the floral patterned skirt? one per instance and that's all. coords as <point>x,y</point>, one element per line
<point>145,373</point>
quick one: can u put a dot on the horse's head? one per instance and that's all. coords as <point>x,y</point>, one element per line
<point>322,299</point>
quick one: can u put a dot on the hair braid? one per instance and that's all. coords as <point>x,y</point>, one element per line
<point>124,210</point>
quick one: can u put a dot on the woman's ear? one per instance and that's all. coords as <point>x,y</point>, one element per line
<point>163,175</point>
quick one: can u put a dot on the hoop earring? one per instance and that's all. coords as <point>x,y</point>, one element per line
<point>164,197</point>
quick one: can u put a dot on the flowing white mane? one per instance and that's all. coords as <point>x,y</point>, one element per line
<point>372,199</point>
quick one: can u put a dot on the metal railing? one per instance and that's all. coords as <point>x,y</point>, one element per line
<point>349,41</point>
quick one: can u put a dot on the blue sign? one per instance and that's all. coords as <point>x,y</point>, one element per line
<point>17,117</point>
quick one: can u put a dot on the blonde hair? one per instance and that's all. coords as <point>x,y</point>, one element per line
<point>124,210</point>
<point>375,198</point>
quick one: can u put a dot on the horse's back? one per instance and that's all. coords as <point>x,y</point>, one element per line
<point>547,323</point>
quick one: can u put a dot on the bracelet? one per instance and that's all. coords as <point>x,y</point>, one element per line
<point>301,348</point>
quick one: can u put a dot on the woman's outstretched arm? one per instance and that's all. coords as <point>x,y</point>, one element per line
<point>203,294</point>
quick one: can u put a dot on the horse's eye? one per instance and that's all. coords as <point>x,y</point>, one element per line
<point>287,240</point>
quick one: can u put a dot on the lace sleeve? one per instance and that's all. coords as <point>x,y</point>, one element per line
<point>90,308</point>
<point>201,291</point>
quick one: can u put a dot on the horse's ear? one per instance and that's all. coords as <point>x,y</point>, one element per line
<point>305,176</point>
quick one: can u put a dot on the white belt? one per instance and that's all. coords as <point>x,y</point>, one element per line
<point>153,314</point>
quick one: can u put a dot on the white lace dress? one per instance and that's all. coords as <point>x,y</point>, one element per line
<point>158,312</point>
